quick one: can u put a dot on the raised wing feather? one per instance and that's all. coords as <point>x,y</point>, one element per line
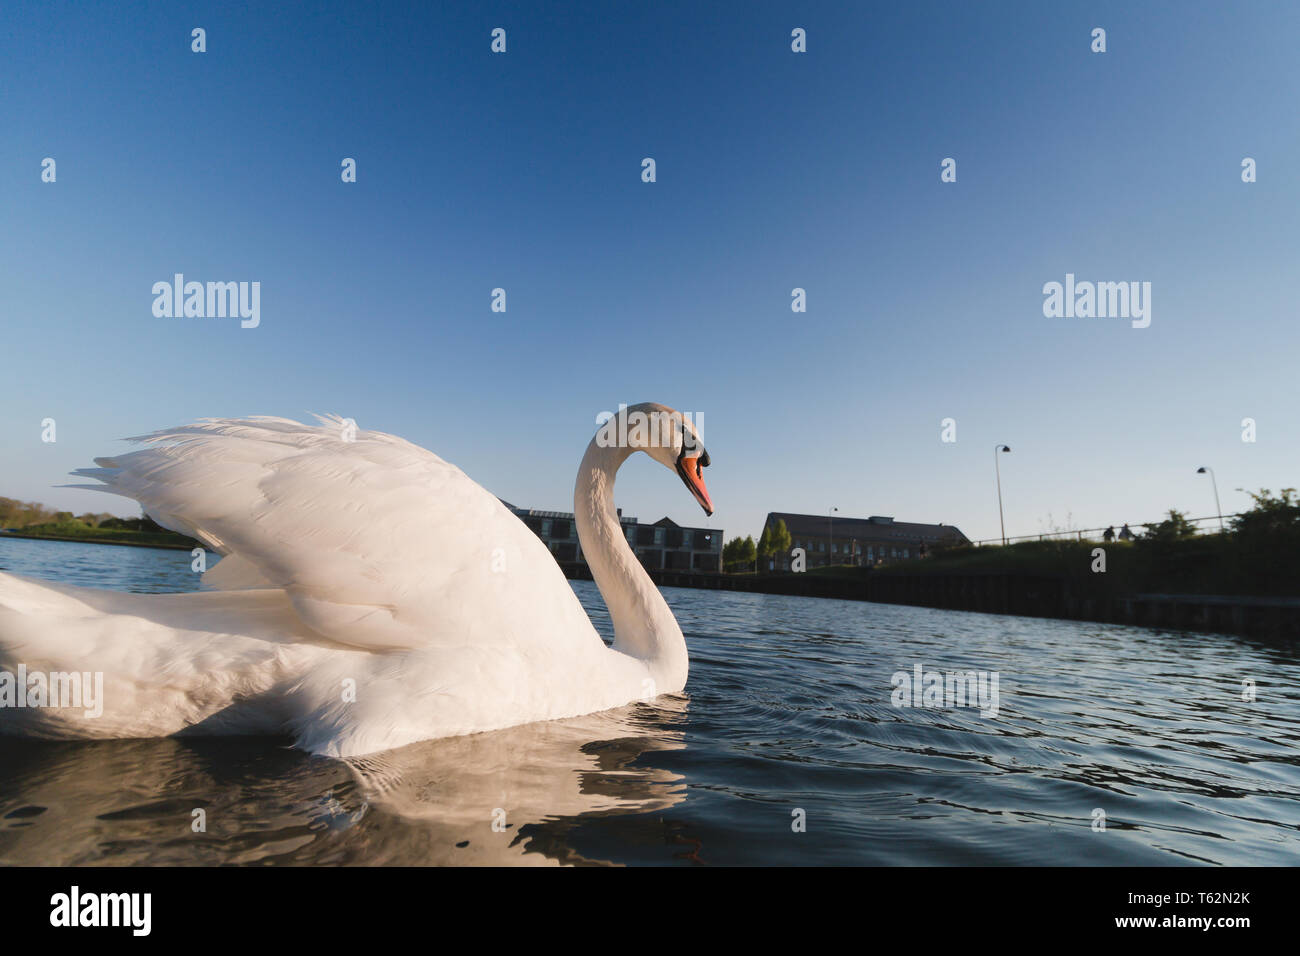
<point>378,542</point>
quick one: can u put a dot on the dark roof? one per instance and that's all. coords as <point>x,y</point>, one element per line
<point>667,522</point>
<point>534,512</point>
<point>875,528</point>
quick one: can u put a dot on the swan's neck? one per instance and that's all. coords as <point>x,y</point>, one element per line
<point>644,626</point>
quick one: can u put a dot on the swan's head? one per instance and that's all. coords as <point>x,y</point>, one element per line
<point>666,435</point>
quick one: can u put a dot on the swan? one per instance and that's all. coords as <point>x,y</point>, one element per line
<point>369,594</point>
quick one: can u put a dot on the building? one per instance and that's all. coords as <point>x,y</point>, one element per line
<point>664,545</point>
<point>860,541</point>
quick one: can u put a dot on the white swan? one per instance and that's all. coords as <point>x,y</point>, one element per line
<point>371,595</point>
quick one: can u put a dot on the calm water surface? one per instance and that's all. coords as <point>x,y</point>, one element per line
<point>787,710</point>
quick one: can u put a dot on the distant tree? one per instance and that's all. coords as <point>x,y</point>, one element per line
<point>22,514</point>
<point>765,544</point>
<point>1173,528</point>
<point>1272,515</point>
<point>1267,540</point>
<point>738,554</point>
<point>780,541</point>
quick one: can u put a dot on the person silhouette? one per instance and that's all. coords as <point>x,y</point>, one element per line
<point>1109,535</point>
<point>1125,534</point>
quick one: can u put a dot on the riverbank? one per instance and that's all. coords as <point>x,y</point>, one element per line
<point>961,586</point>
<point>1019,593</point>
<point>130,539</point>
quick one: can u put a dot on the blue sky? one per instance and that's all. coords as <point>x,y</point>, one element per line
<point>775,170</point>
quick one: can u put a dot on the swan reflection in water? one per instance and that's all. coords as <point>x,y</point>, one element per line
<point>211,801</point>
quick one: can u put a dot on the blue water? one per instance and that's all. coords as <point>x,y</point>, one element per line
<point>787,718</point>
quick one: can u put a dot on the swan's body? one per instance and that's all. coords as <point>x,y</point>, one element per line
<point>371,595</point>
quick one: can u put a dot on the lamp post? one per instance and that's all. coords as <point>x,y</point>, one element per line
<point>1217,507</point>
<point>998,471</point>
<point>830,536</point>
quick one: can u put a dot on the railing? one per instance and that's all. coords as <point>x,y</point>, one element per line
<point>1094,534</point>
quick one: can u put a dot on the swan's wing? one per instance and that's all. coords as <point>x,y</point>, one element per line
<point>378,542</point>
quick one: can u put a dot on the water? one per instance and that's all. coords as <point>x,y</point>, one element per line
<point>788,709</point>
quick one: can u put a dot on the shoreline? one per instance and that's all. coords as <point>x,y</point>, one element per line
<point>1017,594</point>
<point>990,592</point>
<point>124,544</point>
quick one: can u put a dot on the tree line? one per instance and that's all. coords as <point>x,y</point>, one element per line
<point>1270,517</point>
<point>741,554</point>
<point>1270,527</point>
<point>18,515</point>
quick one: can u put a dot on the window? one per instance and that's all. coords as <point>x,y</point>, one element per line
<point>546,528</point>
<point>659,535</point>
<point>835,548</point>
<point>906,553</point>
<point>688,539</point>
<point>821,545</point>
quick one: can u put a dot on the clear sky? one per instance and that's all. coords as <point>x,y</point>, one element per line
<point>775,170</point>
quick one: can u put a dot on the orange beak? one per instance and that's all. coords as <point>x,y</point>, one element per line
<point>692,472</point>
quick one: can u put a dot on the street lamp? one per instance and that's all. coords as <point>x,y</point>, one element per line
<point>830,536</point>
<point>1217,507</point>
<point>998,471</point>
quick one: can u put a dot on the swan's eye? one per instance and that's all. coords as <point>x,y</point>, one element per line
<point>701,460</point>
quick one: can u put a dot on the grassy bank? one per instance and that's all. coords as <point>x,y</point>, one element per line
<point>80,531</point>
<point>1257,555</point>
<point>1222,564</point>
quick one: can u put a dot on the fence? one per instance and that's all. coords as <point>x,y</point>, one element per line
<point>1094,534</point>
